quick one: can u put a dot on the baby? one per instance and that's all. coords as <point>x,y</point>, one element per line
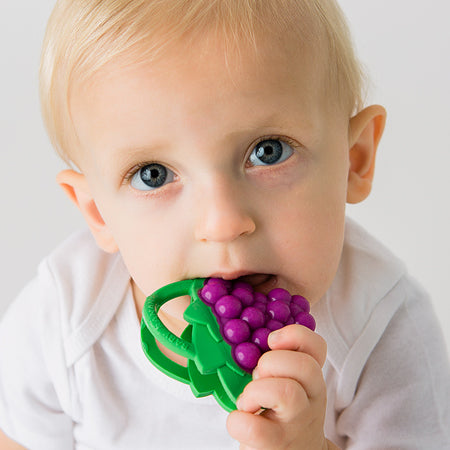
<point>216,138</point>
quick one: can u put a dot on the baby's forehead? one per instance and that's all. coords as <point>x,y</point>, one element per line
<point>79,45</point>
<point>278,65</point>
<point>268,52</point>
<point>246,31</point>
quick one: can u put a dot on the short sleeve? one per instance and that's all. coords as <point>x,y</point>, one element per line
<point>34,392</point>
<point>403,395</point>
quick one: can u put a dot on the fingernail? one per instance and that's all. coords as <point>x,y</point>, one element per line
<point>255,374</point>
<point>273,337</point>
<point>239,402</point>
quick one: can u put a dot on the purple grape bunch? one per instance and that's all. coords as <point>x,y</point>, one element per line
<point>246,318</point>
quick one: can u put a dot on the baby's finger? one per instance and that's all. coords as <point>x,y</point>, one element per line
<point>253,431</point>
<point>299,339</point>
<point>300,367</point>
<point>284,397</point>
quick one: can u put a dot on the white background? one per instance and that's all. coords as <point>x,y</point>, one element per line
<point>405,45</point>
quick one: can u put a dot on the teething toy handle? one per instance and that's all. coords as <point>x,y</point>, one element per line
<point>154,328</point>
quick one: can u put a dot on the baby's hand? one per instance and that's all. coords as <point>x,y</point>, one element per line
<point>289,384</point>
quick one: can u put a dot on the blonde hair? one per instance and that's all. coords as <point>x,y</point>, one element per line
<point>83,35</point>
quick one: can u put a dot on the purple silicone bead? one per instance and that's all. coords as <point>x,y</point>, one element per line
<point>228,307</point>
<point>253,316</point>
<point>273,325</point>
<point>210,293</point>
<point>247,355</point>
<point>290,321</point>
<point>259,337</point>
<point>243,285</point>
<point>244,295</point>
<point>260,297</point>
<point>221,321</point>
<point>236,331</point>
<point>278,310</point>
<point>225,283</point>
<point>295,309</point>
<point>279,294</point>
<point>305,319</point>
<point>261,306</point>
<point>302,302</point>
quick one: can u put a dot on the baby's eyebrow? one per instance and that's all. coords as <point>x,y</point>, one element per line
<point>130,155</point>
<point>277,120</point>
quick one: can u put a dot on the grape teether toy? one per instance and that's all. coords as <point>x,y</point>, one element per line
<point>228,328</point>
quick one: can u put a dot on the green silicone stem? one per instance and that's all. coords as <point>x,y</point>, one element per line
<point>150,315</point>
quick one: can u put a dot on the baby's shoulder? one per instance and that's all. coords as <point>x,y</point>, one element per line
<point>88,283</point>
<point>371,295</point>
<point>74,295</point>
<point>368,271</point>
<point>78,262</point>
<point>368,289</point>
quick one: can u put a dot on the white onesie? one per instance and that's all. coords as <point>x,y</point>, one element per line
<point>73,375</point>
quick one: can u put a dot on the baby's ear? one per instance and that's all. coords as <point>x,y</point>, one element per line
<point>365,131</point>
<point>76,187</point>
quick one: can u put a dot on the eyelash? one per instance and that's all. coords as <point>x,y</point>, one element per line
<point>136,168</point>
<point>287,140</point>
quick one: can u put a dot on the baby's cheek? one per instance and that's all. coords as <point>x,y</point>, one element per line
<point>312,258</point>
<point>147,265</point>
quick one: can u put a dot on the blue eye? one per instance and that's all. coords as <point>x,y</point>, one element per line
<point>269,152</point>
<point>152,176</point>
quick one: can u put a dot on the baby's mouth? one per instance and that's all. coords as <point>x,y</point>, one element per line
<point>261,282</point>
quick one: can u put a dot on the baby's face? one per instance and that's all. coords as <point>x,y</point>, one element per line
<point>200,168</point>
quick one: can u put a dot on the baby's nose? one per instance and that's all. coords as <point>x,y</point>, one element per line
<point>223,213</point>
